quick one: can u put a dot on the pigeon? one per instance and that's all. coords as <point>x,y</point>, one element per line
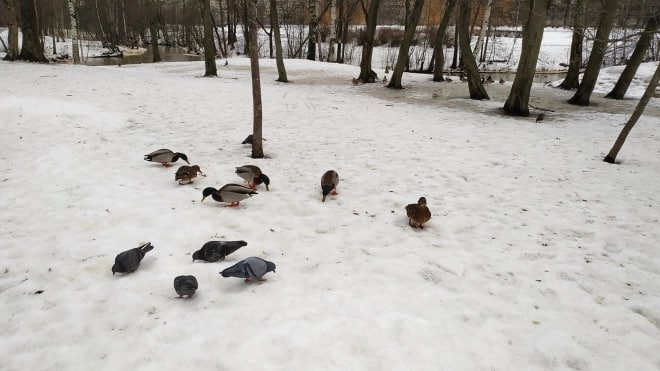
<point>128,261</point>
<point>250,268</point>
<point>418,213</point>
<point>540,117</point>
<point>185,286</point>
<point>214,251</point>
<point>247,140</point>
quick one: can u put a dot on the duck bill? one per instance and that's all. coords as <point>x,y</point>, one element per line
<point>323,199</point>
<point>203,198</point>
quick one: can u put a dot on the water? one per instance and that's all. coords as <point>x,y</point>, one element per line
<point>167,54</point>
<point>539,77</point>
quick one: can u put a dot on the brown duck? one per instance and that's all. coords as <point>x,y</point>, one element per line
<point>418,213</point>
<point>187,174</point>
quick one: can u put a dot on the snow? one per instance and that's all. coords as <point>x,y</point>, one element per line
<point>538,255</point>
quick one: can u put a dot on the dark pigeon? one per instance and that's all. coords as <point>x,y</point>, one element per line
<point>129,260</point>
<point>214,251</point>
<point>185,286</point>
<point>247,140</point>
<point>249,269</point>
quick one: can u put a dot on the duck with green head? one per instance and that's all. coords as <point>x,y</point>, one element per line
<point>230,193</point>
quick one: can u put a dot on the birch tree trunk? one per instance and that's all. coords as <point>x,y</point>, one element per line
<point>622,84</point>
<point>572,79</point>
<point>253,26</point>
<point>279,55</point>
<point>482,33</point>
<point>74,31</point>
<point>583,93</point>
<point>650,90</point>
<point>438,58</point>
<point>210,68</point>
<point>153,29</point>
<point>333,33</point>
<point>409,33</point>
<point>518,101</point>
<point>477,90</point>
<point>313,30</point>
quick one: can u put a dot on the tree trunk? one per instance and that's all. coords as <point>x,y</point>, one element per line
<point>279,56</point>
<point>518,101</point>
<point>210,69</point>
<point>74,31</point>
<point>583,93</point>
<point>477,90</point>
<point>482,33</point>
<point>257,141</point>
<point>153,29</point>
<point>409,33</point>
<point>454,59</point>
<point>12,32</point>
<point>572,79</point>
<point>636,59</point>
<point>650,90</point>
<point>313,31</point>
<point>368,47</point>
<point>438,58</point>
<point>333,32</point>
<point>32,49</point>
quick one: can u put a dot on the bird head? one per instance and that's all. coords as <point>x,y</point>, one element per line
<point>270,267</point>
<point>263,178</point>
<point>114,269</point>
<point>197,255</point>
<point>422,201</point>
<point>183,157</point>
<point>207,192</point>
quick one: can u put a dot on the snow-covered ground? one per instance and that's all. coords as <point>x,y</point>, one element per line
<point>538,256</point>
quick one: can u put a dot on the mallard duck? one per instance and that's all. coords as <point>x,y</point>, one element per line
<point>502,81</point>
<point>253,175</point>
<point>489,80</point>
<point>329,182</point>
<point>232,193</point>
<point>418,213</point>
<point>164,156</point>
<point>187,173</point>
<point>540,117</point>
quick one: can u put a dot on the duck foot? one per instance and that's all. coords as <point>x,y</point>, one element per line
<point>233,204</point>
<point>166,164</point>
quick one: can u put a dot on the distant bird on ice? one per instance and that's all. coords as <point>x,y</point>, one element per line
<point>185,286</point>
<point>226,63</point>
<point>418,213</point>
<point>540,117</point>
<point>329,182</point>
<point>250,269</point>
<point>502,80</point>
<point>128,261</point>
<point>214,251</point>
<point>231,193</point>
<point>164,156</point>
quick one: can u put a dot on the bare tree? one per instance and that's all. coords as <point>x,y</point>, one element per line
<point>210,68</point>
<point>279,57</point>
<point>313,30</point>
<point>154,9</point>
<point>12,34</point>
<point>518,101</point>
<point>32,49</point>
<point>572,79</point>
<point>74,31</point>
<point>402,59</point>
<point>332,57</point>
<point>636,58</point>
<point>257,112</point>
<point>477,51</point>
<point>477,90</point>
<point>583,93</point>
<point>650,90</point>
<point>368,47</point>
<point>438,59</point>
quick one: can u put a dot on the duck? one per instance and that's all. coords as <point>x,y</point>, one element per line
<point>329,182</point>
<point>502,80</point>
<point>187,173</point>
<point>418,213</point>
<point>489,80</point>
<point>253,175</point>
<point>540,117</point>
<point>231,193</point>
<point>164,156</point>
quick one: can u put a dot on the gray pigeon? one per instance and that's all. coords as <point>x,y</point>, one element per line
<point>185,286</point>
<point>129,260</point>
<point>250,268</point>
<point>214,251</point>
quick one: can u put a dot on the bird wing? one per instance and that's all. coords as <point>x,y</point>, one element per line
<point>235,270</point>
